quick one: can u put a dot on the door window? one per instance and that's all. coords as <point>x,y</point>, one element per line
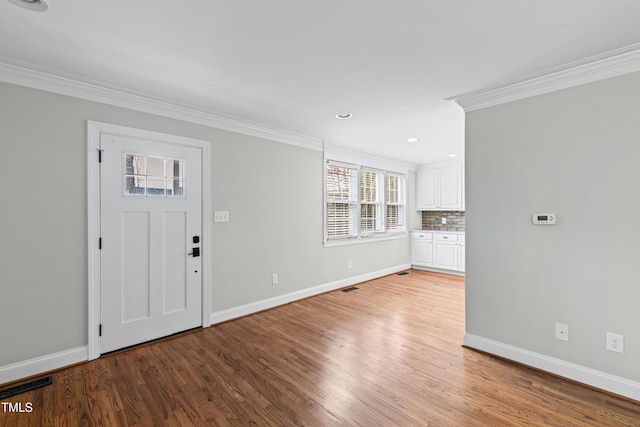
<point>153,176</point>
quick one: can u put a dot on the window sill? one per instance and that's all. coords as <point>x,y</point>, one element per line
<point>359,240</point>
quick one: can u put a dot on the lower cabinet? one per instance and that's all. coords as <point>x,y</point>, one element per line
<point>445,250</point>
<point>461,253</point>
<point>422,249</point>
<point>442,251</point>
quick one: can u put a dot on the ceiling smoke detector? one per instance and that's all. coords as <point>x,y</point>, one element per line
<point>37,5</point>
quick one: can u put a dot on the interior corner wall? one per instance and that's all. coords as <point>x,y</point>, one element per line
<point>575,153</point>
<point>414,217</point>
<point>273,192</point>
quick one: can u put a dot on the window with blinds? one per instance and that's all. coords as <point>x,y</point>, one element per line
<point>371,202</point>
<point>363,202</point>
<point>395,202</point>
<point>342,200</point>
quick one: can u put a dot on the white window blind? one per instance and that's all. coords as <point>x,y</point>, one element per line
<point>342,200</point>
<point>371,196</point>
<point>396,193</point>
<point>363,202</point>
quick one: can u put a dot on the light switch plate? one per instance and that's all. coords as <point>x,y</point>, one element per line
<point>221,216</point>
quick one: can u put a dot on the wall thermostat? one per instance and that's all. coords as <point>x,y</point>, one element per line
<point>543,218</point>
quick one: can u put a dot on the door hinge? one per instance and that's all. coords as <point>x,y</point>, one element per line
<point>100,330</point>
<point>99,155</point>
<point>100,243</point>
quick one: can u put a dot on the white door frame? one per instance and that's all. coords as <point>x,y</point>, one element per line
<point>94,130</point>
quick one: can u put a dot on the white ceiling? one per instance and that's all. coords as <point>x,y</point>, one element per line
<point>292,65</point>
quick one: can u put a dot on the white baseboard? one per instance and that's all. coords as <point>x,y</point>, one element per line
<point>607,382</point>
<point>42,364</point>
<point>254,307</point>
<point>438,270</point>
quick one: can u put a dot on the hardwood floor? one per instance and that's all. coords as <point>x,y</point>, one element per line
<point>387,354</point>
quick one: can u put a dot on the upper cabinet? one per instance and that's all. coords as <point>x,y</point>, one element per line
<point>440,188</point>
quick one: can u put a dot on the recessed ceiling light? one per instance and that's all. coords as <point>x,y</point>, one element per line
<point>37,5</point>
<point>412,140</point>
<point>344,116</point>
<point>453,155</point>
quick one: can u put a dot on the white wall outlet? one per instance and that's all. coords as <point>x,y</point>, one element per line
<point>444,220</point>
<point>562,331</point>
<point>615,342</point>
<point>274,279</point>
<point>349,264</point>
<point>221,216</point>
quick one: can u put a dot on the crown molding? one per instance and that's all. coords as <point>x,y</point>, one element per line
<point>31,76</point>
<point>340,152</point>
<point>598,67</point>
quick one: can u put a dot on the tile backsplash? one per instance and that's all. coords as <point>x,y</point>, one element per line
<point>432,220</point>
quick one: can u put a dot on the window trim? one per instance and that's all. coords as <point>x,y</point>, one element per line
<point>361,237</point>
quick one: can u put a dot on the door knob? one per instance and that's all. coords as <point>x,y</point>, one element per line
<point>195,253</point>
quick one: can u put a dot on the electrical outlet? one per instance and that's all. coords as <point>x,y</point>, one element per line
<point>444,220</point>
<point>349,264</point>
<point>615,342</point>
<point>274,279</point>
<point>562,331</point>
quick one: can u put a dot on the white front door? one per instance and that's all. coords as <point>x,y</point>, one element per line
<point>150,227</point>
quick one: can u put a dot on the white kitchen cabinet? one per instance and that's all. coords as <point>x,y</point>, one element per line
<point>438,251</point>
<point>422,249</point>
<point>426,189</point>
<point>461,257</point>
<point>440,188</point>
<point>445,251</point>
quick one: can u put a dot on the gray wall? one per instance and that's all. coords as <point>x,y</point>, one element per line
<point>273,192</point>
<point>575,152</point>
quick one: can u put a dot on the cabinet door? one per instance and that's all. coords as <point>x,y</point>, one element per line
<point>445,255</point>
<point>450,186</point>
<point>422,252</point>
<point>461,256</point>
<point>427,190</point>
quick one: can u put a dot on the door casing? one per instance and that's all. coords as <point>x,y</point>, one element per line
<point>94,130</point>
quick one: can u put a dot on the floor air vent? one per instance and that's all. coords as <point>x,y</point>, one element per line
<point>23,388</point>
<point>402,273</point>
<point>353,288</point>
